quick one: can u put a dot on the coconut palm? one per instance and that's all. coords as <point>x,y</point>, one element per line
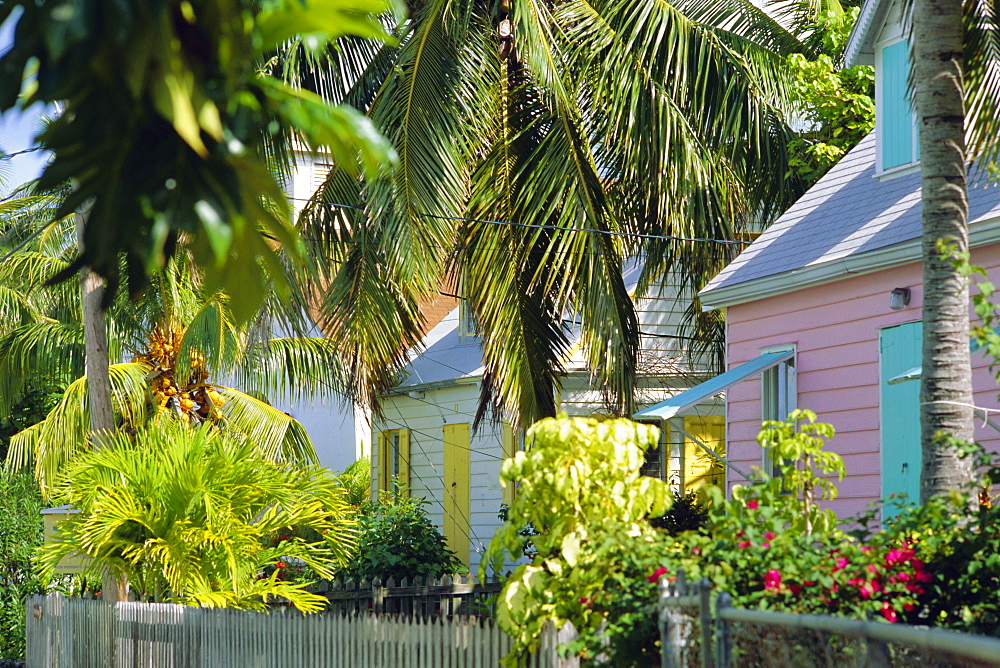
<point>541,144</point>
<point>195,517</point>
<point>956,91</point>
<point>178,349</point>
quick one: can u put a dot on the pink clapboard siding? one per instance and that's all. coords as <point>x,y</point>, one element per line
<point>835,328</point>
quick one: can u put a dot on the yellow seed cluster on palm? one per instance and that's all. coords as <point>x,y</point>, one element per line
<point>193,397</point>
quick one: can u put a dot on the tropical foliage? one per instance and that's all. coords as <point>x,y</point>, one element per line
<point>769,545</point>
<point>20,534</point>
<point>397,540</point>
<point>540,145</point>
<point>188,515</point>
<point>167,146</point>
<point>579,481</point>
<point>184,343</point>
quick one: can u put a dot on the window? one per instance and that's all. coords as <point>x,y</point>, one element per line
<point>777,397</point>
<point>394,459</point>
<point>657,465</point>
<point>897,121</point>
<point>466,319</point>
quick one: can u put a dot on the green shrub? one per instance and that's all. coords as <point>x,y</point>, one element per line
<point>20,533</point>
<point>688,512</point>
<point>188,514</point>
<point>580,485</point>
<point>396,540</point>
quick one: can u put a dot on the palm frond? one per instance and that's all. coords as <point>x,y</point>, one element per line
<point>982,80</point>
<point>277,435</point>
<point>66,429</point>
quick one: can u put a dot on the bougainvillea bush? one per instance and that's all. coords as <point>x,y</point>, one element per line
<point>770,545</point>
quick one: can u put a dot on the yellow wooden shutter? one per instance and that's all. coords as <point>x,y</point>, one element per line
<point>404,460</point>
<point>383,470</point>
<point>456,495</point>
<point>700,468</point>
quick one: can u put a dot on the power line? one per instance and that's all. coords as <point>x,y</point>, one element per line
<point>637,235</point>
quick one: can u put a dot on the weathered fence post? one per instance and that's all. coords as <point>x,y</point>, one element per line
<point>705,618</point>
<point>671,636</point>
<point>723,639</point>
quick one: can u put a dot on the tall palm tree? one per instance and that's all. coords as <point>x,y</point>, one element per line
<point>185,350</point>
<point>957,92</point>
<point>541,144</point>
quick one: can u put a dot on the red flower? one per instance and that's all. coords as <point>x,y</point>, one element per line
<point>889,613</point>
<point>922,576</point>
<point>772,580</point>
<point>279,564</point>
<point>657,574</point>
<point>752,504</point>
<point>795,589</point>
<point>586,602</point>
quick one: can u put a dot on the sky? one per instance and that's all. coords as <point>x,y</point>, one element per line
<point>17,129</point>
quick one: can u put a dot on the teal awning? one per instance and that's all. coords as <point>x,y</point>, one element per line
<point>698,393</point>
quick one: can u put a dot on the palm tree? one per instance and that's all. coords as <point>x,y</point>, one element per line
<point>956,91</point>
<point>185,350</point>
<point>541,144</point>
<point>195,517</point>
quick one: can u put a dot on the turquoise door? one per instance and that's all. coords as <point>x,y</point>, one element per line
<point>900,410</point>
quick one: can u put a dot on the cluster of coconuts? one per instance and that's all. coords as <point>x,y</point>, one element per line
<point>195,399</point>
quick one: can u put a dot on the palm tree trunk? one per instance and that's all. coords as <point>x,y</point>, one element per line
<point>98,378</point>
<point>96,344</point>
<point>946,384</point>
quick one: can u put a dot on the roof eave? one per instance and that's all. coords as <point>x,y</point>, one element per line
<point>859,41</point>
<point>980,233</point>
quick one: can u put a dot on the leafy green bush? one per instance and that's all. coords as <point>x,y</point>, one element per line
<point>688,512</point>
<point>396,540</point>
<point>20,533</point>
<point>771,545</point>
<point>580,484</point>
<point>187,515</point>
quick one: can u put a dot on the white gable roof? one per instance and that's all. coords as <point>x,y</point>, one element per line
<point>850,222</point>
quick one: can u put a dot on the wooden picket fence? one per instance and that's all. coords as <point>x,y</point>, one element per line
<point>80,633</point>
<point>447,596</point>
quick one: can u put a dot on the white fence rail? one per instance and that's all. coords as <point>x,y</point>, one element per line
<point>76,633</point>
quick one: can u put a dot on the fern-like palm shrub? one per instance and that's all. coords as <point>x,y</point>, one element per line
<point>189,515</point>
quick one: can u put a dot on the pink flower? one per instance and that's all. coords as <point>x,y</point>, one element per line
<point>768,535</point>
<point>889,613</point>
<point>922,576</point>
<point>696,551</point>
<point>872,568</point>
<point>743,544</point>
<point>869,589</point>
<point>841,564</point>
<point>866,548</point>
<point>752,504</point>
<point>772,580</point>
<point>657,574</point>
<point>765,544</point>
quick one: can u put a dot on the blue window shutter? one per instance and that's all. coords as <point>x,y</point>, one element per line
<point>900,349</point>
<point>896,116</point>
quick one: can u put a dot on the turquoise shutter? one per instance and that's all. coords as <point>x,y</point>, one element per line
<point>896,117</point>
<point>900,411</point>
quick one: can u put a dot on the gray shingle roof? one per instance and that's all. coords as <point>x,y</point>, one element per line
<point>848,212</point>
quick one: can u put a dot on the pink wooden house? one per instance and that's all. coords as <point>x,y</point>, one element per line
<point>823,309</point>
